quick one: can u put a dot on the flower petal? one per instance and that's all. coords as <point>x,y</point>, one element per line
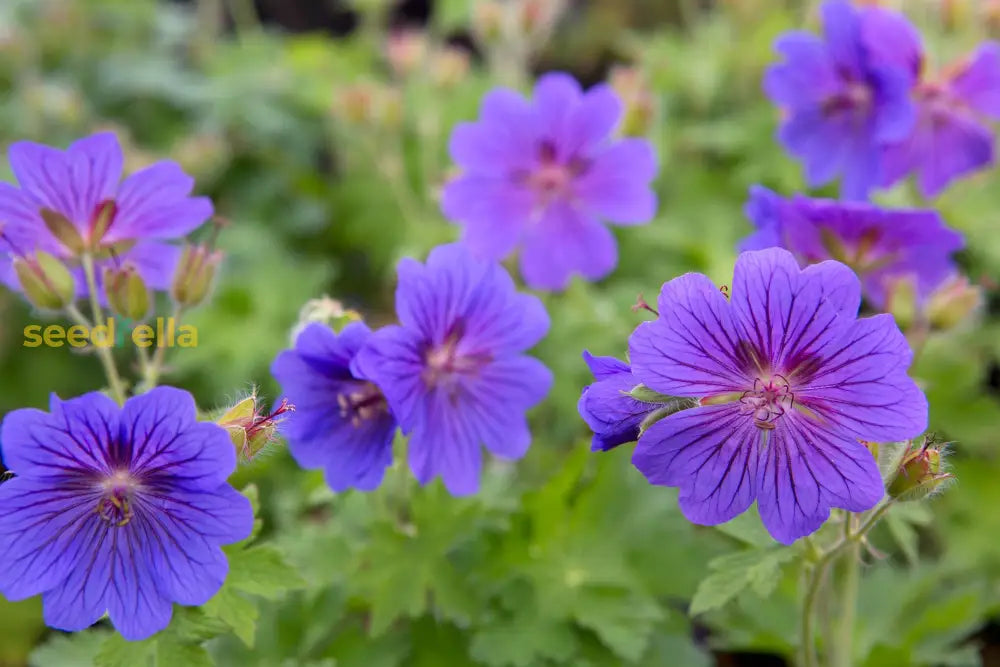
<point>164,440</point>
<point>805,469</point>
<point>446,443</point>
<point>783,315</point>
<point>692,349</point>
<point>566,241</point>
<point>493,212</point>
<point>44,174</point>
<point>612,416</point>
<point>393,359</point>
<point>956,145</point>
<point>859,383</point>
<point>977,84</point>
<point>616,185</point>
<point>806,77</point>
<point>74,439</point>
<point>591,120</point>
<point>711,453</point>
<point>95,165</point>
<point>155,203</point>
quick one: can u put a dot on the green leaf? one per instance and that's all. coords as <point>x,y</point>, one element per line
<point>236,611</point>
<point>748,528</point>
<point>756,569</point>
<point>523,640</point>
<point>622,621</point>
<point>262,570</point>
<point>79,649</point>
<point>118,652</point>
<point>175,654</point>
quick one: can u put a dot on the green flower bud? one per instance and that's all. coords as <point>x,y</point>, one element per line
<point>64,230</point>
<point>45,281</point>
<point>952,303</point>
<point>919,474</point>
<point>194,274</point>
<point>127,292</point>
<point>250,429</point>
<point>902,302</point>
<point>327,311</point>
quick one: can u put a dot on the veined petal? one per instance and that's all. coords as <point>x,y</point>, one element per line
<point>613,416</point>
<point>163,439</point>
<point>493,212</point>
<point>782,315</point>
<point>692,349</point>
<point>956,144</point>
<point>393,360</point>
<point>446,443</point>
<point>616,185</point>
<point>591,121</point>
<point>95,165</point>
<point>807,76</point>
<point>859,384</point>
<point>155,203</point>
<point>44,175</point>
<point>711,453</point>
<point>805,469</point>
<point>978,82</point>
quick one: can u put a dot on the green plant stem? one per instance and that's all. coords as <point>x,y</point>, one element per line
<point>152,370</point>
<point>842,647</point>
<point>815,573</point>
<point>115,383</point>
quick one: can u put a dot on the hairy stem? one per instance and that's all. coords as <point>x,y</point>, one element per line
<point>115,383</point>
<point>842,646</point>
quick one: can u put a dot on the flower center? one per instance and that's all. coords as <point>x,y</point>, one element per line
<point>767,401</point>
<point>445,362</point>
<point>855,97</point>
<point>363,403</point>
<point>553,179</point>
<point>115,506</point>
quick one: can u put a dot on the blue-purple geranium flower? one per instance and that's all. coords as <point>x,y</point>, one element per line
<point>951,137</point>
<point>790,382</point>
<point>883,246</point>
<point>454,370</point>
<point>544,175</point>
<point>844,101</point>
<point>75,201</point>
<point>611,414</point>
<point>342,422</point>
<point>117,510</point>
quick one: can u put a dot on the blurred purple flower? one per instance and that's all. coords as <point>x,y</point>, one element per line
<point>614,417</point>
<point>789,382</point>
<point>843,100</point>
<point>543,174</point>
<point>882,246</point>
<point>117,510</point>
<point>951,137</point>
<point>453,370</point>
<point>341,422</point>
<point>75,199</point>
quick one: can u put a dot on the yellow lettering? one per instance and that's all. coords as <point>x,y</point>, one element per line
<point>31,335</point>
<point>53,335</point>
<point>76,336</point>
<point>188,336</point>
<point>142,335</point>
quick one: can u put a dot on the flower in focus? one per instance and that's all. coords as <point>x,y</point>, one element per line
<point>951,137</point>
<point>75,201</point>
<point>789,381</point>
<point>882,246</point>
<point>342,422</point>
<point>843,102</point>
<point>453,371</point>
<point>542,175</point>
<point>605,405</point>
<point>117,510</point>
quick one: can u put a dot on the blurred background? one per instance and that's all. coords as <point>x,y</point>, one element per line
<point>319,129</point>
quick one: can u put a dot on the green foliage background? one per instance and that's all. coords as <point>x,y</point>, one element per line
<point>567,557</point>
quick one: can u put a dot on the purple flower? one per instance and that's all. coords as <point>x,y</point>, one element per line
<point>117,510</point>
<point>341,421</point>
<point>453,371</point>
<point>843,99</point>
<point>951,137</point>
<point>882,246</point>
<point>543,174</point>
<point>789,380</point>
<point>73,201</point>
<point>612,415</point>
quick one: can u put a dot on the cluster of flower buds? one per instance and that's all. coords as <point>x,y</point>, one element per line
<point>496,21</point>
<point>45,280</point>
<point>250,427</point>
<point>951,304</point>
<point>406,51</point>
<point>326,311</point>
<point>919,473</point>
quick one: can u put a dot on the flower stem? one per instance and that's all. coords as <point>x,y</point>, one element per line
<point>115,383</point>
<point>842,648</point>
<point>154,368</point>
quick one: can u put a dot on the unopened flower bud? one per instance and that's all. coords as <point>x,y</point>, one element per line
<point>901,301</point>
<point>127,293</point>
<point>194,274</point>
<point>919,474</point>
<point>326,311</point>
<point>405,50</point>
<point>539,17</point>
<point>450,67</point>
<point>633,87</point>
<point>370,105</point>
<point>45,281</point>
<point>953,302</point>
<point>250,429</point>
<point>488,20</point>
